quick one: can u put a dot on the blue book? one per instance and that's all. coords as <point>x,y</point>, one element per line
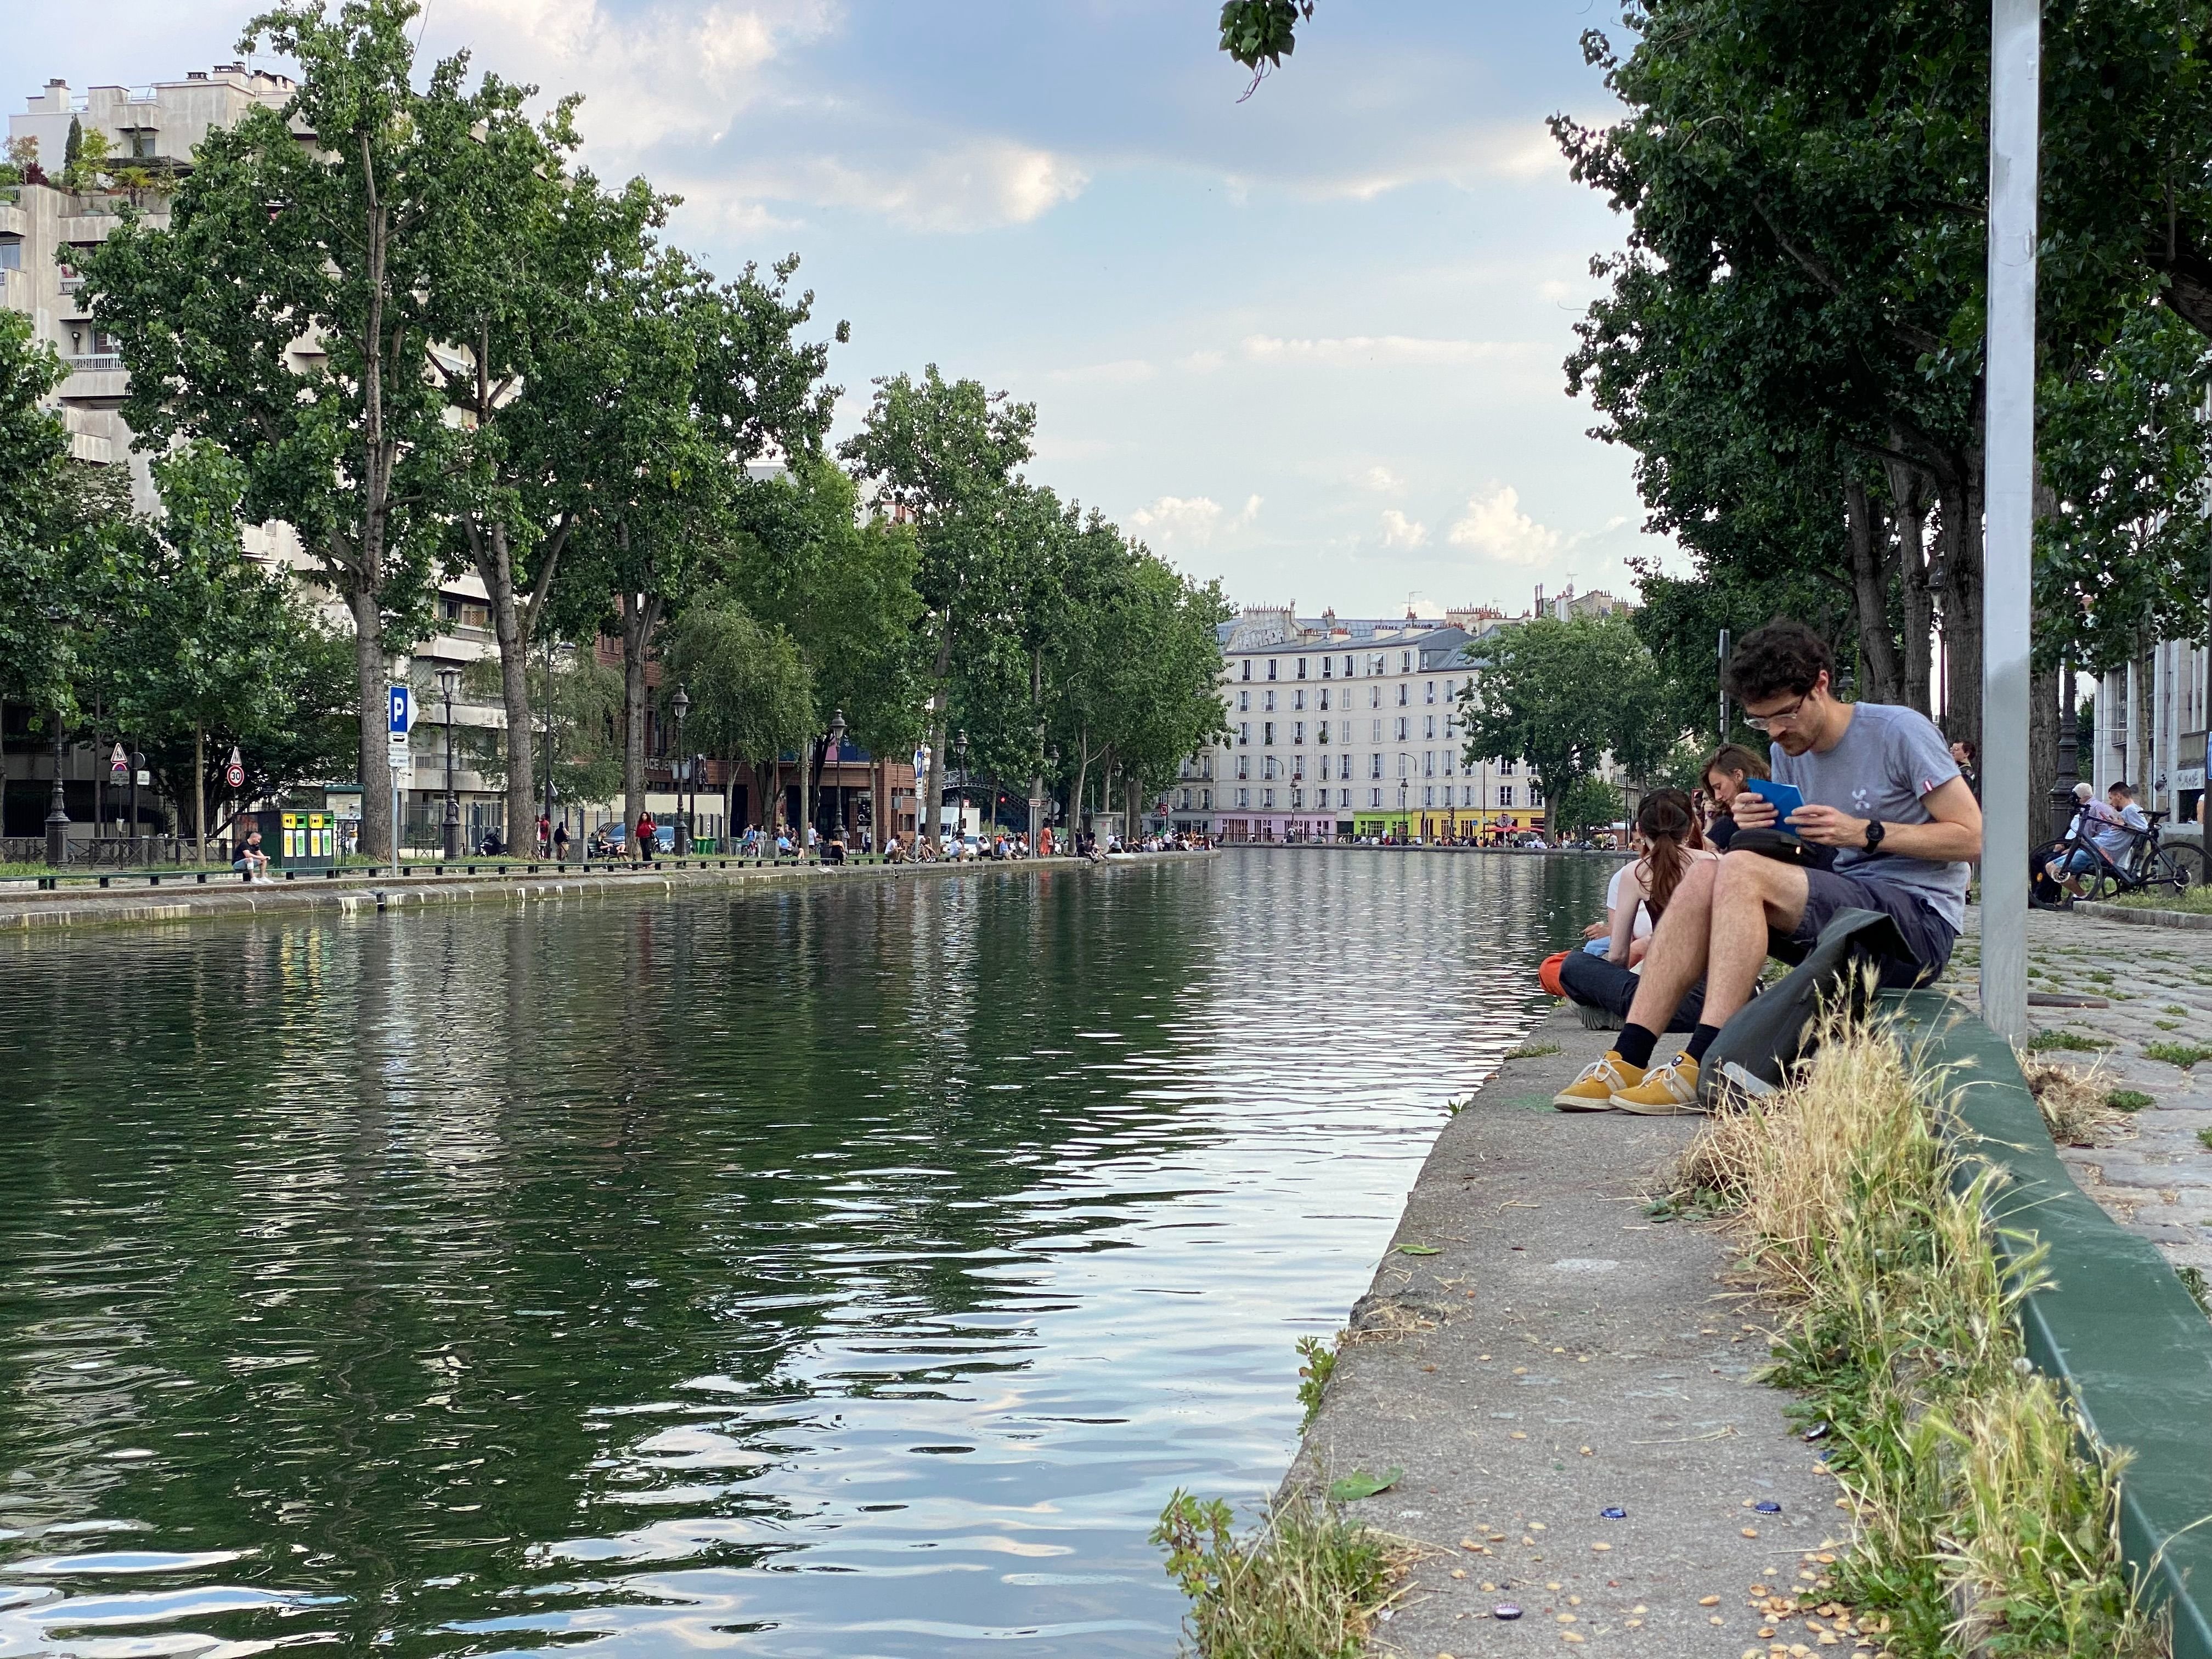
<point>1787,799</point>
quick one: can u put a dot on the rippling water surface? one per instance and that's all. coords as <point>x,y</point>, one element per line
<point>832,1272</point>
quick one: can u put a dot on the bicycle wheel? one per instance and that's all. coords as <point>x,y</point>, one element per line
<point>2100,884</point>
<point>2176,870</point>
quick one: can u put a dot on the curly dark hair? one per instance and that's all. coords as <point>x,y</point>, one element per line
<point>1783,656</point>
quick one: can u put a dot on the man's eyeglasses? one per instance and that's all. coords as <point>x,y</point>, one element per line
<point>1779,717</point>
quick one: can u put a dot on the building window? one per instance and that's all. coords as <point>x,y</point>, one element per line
<point>1378,731</point>
<point>1301,668</point>
<point>1183,801</point>
<point>1247,668</point>
<point>1243,701</point>
<point>1321,732</point>
<point>1268,733</point>
<point>1451,762</point>
<point>1429,795</point>
<point>1428,762</point>
<point>1505,794</point>
<point>1405,662</point>
<point>1267,800</point>
<point>1326,664</point>
<point>1298,732</point>
<point>1205,800</point>
<point>1429,726</point>
<point>1375,798</point>
<point>1447,691</point>
<point>1243,732</point>
<point>1402,698</point>
<point>11,254</point>
<point>1347,668</point>
<point>1505,769</point>
<point>1344,798</point>
<point>1297,799</point>
<point>1298,698</point>
<point>1271,668</point>
<point>1535,794</point>
<point>1400,732</point>
<point>1268,767</point>
<point>1243,766</point>
<point>1374,766</point>
<point>1244,798</point>
<point>1267,700</point>
<point>1405,766</point>
<point>1374,696</point>
<point>1429,692</point>
<point>1324,698</point>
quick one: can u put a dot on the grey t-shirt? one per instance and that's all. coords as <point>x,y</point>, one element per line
<point>1888,760</point>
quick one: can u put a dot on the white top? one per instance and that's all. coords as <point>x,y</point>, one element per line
<point>1626,888</point>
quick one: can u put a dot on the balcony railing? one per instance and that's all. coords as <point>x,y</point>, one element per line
<point>97,363</point>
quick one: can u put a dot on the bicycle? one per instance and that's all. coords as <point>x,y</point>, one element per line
<point>2148,866</point>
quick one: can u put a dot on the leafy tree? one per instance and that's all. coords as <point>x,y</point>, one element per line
<point>945,454</point>
<point>290,311</point>
<point>582,699</point>
<point>752,699</point>
<point>201,649</point>
<point>37,581</point>
<point>1564,694</point>
<point>843,590</point>
<point>1589,803</point>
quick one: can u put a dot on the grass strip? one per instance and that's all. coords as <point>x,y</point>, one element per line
<point>1987,1520</point>
<point>1305,1583</point>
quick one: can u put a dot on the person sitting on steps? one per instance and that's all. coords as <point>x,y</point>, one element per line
<point>1727,774</point>
<point>1879,787</point>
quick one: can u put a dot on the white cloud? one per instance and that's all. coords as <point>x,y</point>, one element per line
<point>979,185</point>
<point>1495,526</point>
<point>1204,363</point>
<point>1379,349</point>
<point>1122,371</point>
<point>1194,519</point>
<point>668,72</point>
<point>1399,531</point>
<point>1382,480</point>
<point>1464,158</point>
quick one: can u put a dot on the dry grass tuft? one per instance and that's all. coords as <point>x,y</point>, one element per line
<point>1984,1527</point>
<point>2075,1104</point>
<point>1307,1583</point>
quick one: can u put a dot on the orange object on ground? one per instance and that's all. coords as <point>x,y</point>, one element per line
<point>1549,973</point>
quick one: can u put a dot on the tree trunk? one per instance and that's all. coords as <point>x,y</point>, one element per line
<point>378,835</point>
<point>1960,539</point>
<point>199,793</point>
<point>1868,536</point>
<point>2143,735</point>
<point>1082,781</point>
<point>1036,771</point>
<point>878,797</point>
<point>1908,494</point>
<point>495,564</point>
<point>638,611</point>
<point>809,771</point>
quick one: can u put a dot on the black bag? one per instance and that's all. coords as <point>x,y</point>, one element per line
<point>1783,848</point>
<point>1769,1034</point>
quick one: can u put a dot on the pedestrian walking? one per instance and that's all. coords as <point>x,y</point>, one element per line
<point>561,840</point>
<point>647,830</point>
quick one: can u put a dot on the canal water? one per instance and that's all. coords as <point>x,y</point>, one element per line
<point>828,1271</point>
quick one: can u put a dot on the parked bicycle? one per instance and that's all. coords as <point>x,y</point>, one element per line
<point>2148,864</point>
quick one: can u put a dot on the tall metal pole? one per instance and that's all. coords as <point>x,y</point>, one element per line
<point>2009,450</point>
<point>1725,647</point>
<point>57,817</point>
<point>548,743</point>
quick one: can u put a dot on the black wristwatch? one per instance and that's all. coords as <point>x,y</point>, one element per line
<point>1873,834</point>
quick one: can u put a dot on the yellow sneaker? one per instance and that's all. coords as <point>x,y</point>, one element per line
<point>1663,1091</point>
<point>1593,1090</point>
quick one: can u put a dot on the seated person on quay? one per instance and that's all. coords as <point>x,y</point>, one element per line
<point>1880,788</point>
<point>1602,978</point>
<point>2098,829</point>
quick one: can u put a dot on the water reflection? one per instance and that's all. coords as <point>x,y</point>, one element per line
<point>812,1272</point>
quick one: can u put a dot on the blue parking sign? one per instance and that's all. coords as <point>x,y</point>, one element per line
<point>401,711</point>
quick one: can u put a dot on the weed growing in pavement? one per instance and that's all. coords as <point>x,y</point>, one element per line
<point>2072,1041</point>
<point>1983,1525</point>
<point>1306,1583</point>
<point>2184,1054</point>
<point>2128,1100</point>
<point>1533,1051</point>
<point>1313,1375</point>
<point>2204,1139</point>
<point>2076,1107</point>
<point>2192,1281</point>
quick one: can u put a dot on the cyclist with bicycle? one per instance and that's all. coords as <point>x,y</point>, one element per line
<point>2104,834</point>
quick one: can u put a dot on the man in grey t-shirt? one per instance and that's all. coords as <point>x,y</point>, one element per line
<point>1880,788</point>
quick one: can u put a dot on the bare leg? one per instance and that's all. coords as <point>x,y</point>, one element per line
<point>1677,957</point>
<point>1751,895</point>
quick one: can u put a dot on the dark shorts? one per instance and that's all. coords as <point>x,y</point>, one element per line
<point>1927,935</point>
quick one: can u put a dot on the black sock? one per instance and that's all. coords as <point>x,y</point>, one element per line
<point>1700,1040</point>
<point>1635,1044</point>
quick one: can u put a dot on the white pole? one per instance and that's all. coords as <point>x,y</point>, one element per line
<point>2015,76</point>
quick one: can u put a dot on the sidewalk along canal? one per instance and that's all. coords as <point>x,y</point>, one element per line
<point>1534,1351</point>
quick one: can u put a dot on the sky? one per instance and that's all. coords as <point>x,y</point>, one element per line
<point>1309,342</point>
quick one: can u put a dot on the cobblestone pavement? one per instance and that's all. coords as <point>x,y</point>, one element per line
<point>2153,1173</point>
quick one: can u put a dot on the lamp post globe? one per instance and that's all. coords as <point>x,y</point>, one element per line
<point>680,705</point>
<point>836,789</point>
<point>449,681</point>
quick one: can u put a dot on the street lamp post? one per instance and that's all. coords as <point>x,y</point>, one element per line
<point>57,818</point>
<point>449,681</point>
<point>1402,836</point>
<point>836,789</point>
<point>680,705</point>
<point>960,766</point>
